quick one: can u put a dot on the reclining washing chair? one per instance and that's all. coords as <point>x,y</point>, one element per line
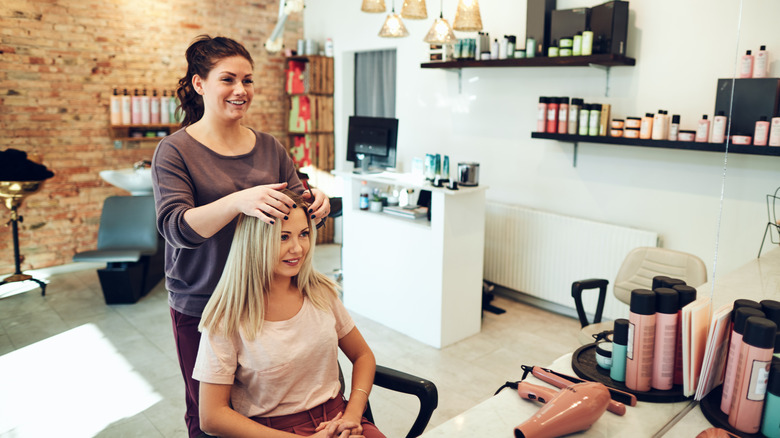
<point>130,246</point>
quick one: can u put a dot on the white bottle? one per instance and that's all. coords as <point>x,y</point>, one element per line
<point>703,130</point>
<point>154,108</point>
<point>719,128</point>
<point>494,49</point>
<point>659,126</point>
<point>146,115</point>
<point>116,108</point>
<point>774,133</point>
<point>760,63</point>
<point>165,109</point>
<point>127,108</point>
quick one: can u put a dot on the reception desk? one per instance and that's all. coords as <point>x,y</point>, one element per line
<point>419,277</point>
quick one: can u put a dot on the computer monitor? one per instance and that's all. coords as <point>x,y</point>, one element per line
<point>371,142</point>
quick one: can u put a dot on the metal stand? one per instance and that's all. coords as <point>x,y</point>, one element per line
<point>773,223</point>
<point>13,192</point>
<point>18,276</point>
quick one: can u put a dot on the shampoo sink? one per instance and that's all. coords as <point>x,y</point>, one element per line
<point>136,181</point>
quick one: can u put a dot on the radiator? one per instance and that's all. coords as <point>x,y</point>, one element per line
<point>541,254</point>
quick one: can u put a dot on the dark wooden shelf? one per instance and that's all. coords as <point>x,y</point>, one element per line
<point>663,144</point>
<point>604,60</point>
<point>307,133</point>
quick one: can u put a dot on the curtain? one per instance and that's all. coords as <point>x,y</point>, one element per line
<point>375,83</point>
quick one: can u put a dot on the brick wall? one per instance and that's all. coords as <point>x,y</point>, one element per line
<point>59,63</point>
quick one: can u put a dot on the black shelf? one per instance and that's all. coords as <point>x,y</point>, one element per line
<point>663,144</point>
<point>605,60</point>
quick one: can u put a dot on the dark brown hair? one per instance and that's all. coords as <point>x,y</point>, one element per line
<point>202,55</point>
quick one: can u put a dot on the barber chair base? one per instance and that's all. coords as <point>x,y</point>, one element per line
<point>123,283</point>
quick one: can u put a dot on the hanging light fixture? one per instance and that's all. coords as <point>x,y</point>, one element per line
<point>394,26</point>
<point>441,32</point>
<point>414,10</point>
<point>467,17</point>
<point>373,6</point>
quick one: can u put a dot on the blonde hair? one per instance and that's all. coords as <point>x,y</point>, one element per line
<point>238,301</point>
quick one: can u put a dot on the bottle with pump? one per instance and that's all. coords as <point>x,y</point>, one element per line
<point>165,114</point>
<point>552,115</point>
<point>746,65</point>
<point>761,63</point>
<point>584,119</point>
<point>127,108</point>
<point>641,340</point>
<point>116,108</point>
<point>563,115</point>
<point>674,127</point>
<point>154,108</point>
<point>761,134</point>
<point>364,195</point>
<point>541,115</point>
<point>719,128</point>
<point>574,115</point>
<point>703,130</point>
<point>595,119</point>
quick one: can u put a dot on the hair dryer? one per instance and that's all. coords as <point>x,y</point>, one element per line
<point>573,409</point>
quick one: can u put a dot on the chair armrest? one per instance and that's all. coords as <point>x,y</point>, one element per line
<point>576,292</point>
<point>424,389</point>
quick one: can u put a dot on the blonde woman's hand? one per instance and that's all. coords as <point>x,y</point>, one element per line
<point>265,202</point>
<point>336,428</point>
<point>320,203</point>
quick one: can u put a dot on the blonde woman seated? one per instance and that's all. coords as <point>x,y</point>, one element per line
<point>267,362</point>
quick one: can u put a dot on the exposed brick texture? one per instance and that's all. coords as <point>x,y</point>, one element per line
<point>59,63</point>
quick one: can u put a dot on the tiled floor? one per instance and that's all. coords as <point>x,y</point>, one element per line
<point>72,366</point>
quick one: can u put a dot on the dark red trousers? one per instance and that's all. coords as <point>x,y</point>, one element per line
<point>187,337</point>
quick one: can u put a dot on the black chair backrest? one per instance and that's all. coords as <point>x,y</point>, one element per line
<point>128,222</point>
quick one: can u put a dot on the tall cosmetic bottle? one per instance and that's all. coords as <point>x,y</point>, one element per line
<point>154,108</point>
<point>116,108</point>
<point>761,134</point>
<point>552,114</point>
<point>145,109</point>
<point>646,128</point>
<point>658,281</point>
<point>755,357</point>
<point>595,119</point>
<point>658,126</point>
<point>771,309</point>
<point>576,46</point>
<point>703,130</point>
<point>719,128</point>
<point>606,114</point>
<point>584,119</point>
<point>619,347</point>
<point>774,132</point>
<point>574,115</point>
<point>761,63</point>
<point>667,305</point>
<point>641,339</point>
<point>563,115</point>
<point>671,282</point>
<point>136,108</point>
<point>746,65</point>
<point>587,43</point>
<point>739,316</point>
<point>674,127</point>
<point>687,295</point>
<point>541,115</point>
<point>165,109</point>
<point>127,108</point>
<point>770,426</point>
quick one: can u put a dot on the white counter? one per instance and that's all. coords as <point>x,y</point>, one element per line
<point>422,278</point>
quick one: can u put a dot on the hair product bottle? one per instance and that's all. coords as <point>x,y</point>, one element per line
<point>606,113</point>
<point>703,130</point>
<point>646,128</point>
<point>719,128</point>
<point>563,115</point>
<point>667,305</point>
<point>658,126</point>
<point>576,46</point>
<point>587,43</point>
<point>761,63</point>
<point>595,119</point>
<point>739,316</point>
<point>154,108</point>
<point>619,347</point>
<point>770,426</point>
<point>584,119</point>
<point>176,117</point>
<point>674,127</point>
<point>541,115</point>
<point>116,108</point>
<point>145,109</point>
<point>750,384</point>
<point>552,115</point>
<point>687,295</point>
<point>774,132</point>
<point>165,113</point>
<point>136,108</point>
<point>746,65</point>
<point>574,115</point>
<point>658,281</point>
<point>761,135</point>
<point>641,340</point>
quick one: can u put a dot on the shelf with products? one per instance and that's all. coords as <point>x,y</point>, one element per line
<point>661,144</point>
<point>601,60</point>
<point>126,132</point>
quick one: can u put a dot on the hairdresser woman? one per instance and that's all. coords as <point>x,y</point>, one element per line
<point>205,175</point>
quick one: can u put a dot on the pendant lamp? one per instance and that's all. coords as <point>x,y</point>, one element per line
<point>467,17</point>
<point>414,10</point>
<point>441,32</point>
<point>393,27</point>
<point>373,6</point>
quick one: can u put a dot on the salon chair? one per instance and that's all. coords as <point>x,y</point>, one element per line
<point>129,245</point>
<point>398,381</point>
<point>636,272</point>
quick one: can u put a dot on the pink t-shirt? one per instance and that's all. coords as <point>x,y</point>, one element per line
<point>290,367</point>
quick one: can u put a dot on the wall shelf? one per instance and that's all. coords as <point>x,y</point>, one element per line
<point>662,144</point>
<point>602,60</point>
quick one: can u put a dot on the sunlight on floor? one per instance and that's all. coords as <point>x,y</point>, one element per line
<point>95,386</point>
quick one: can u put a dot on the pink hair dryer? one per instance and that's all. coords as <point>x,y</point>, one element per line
<point>573,409</point>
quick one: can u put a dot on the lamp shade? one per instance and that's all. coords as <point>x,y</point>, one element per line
<point>414,10</point>
<point>467,17</point>
<point>373,6</point>
<point>393,27</point>
<point>440,33</point>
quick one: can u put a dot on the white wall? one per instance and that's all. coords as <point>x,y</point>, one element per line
<point>681,49</point>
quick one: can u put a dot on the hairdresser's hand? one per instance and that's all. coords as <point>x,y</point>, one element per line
<point>265,202</point>
<point>320,206</point>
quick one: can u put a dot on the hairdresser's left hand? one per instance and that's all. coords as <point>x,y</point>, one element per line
<point>320,206</point>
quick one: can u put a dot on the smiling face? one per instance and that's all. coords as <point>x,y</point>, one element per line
<point>228,89</point>
<point>294,245</point>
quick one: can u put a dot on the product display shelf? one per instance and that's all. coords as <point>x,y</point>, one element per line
<point>603,60</point>
<point>122,132</point>
<point>664,144</point>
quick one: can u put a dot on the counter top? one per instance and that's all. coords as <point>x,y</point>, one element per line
<point>406,180</point>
